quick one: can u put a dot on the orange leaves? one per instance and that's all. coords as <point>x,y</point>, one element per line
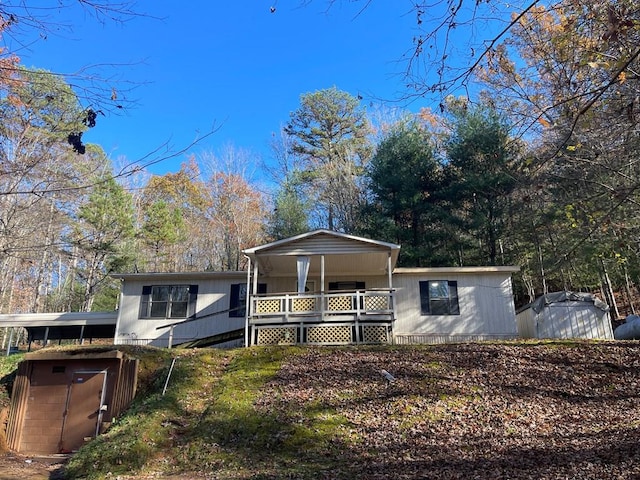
<point>544,122</point>
<point>622,77</point>
<point>426,115</point>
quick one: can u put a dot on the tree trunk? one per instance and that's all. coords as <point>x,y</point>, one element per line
<point>627,287</point>
<point>40,281</point>
<point>542,274</point>
<point>609,289</point>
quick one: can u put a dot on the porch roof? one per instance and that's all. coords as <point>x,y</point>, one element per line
<point>343,254</point>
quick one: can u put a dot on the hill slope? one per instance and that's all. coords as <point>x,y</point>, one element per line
<point>532,410</point>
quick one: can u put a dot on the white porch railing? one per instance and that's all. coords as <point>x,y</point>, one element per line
<point>362,316</point>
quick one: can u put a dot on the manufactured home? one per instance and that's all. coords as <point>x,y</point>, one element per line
<point>321,287</point>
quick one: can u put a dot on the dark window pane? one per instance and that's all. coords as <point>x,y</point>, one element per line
<point>180,294</point>
<point>158,309</point>
<point>439,307</point>
<point>178,310</point>
<point>160,294</point>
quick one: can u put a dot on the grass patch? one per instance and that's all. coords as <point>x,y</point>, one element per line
<point>207,422</point>
<point>301,412</point>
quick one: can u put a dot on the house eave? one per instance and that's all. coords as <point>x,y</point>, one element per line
<point>178,276</point>
<point>455,270</point>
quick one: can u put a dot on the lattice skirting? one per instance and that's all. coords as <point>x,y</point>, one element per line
<point>276,336</point>
<point>375,334</point>
<point>328,334</point>
<point>439,338</point>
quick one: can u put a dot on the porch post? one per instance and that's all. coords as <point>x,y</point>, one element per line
<point>322,288</point>
<point>248,305</point>
<point>254,291</point>
<point>392,296</point>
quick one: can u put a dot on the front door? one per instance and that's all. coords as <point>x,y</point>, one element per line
<point>82,414</point>
<point>350,286</point>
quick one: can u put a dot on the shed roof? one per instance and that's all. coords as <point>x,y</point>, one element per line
<point>567,296</point>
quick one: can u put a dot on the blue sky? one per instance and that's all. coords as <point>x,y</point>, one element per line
<point>234,65</point>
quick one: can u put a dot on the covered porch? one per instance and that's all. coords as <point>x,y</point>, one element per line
<point>323,288</point>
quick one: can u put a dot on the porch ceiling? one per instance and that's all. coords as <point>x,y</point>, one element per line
<point>371,263</point>
<point>343,254</point>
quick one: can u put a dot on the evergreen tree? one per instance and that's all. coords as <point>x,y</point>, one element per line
<point>330,132</point>
<point>163,226</point>
<point>289,217</point>
<point>404,180</point>
<point>481,176</point>
<point>103,229</point>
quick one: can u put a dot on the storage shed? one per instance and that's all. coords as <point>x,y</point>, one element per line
<point>61,399</point>
<point>565,314</point>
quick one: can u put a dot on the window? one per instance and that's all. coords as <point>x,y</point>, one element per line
<point>439,297</point>
<point>168,301</point>
<point>238,298</point>
<point>346,285</point>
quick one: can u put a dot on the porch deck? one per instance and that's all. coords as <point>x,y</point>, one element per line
<point>325,318</point>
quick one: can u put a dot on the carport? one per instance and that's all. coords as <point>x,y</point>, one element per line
<point>47,327</point>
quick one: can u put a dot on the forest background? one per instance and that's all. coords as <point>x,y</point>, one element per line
<point>529,159</point>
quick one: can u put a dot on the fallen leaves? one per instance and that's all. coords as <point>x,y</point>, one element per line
<point>472,410</point>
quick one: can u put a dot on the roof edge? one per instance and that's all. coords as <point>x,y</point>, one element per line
<point>284,241</point>
<point>178,275</point>
<point>482,269</point>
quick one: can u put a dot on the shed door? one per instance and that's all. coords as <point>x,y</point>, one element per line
<point>81,417</point>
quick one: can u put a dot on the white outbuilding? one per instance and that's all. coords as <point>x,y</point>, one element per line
<point>565,314</point>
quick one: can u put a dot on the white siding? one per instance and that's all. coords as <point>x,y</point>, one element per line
<point>486,308</point>
<point>565,320</point>
<point>525,320</point>
<point>213,296</point>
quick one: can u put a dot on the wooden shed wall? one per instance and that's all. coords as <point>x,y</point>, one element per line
<point>40,401</point>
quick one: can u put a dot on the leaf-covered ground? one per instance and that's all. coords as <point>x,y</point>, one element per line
<point>550,410</point>
<point>473,411</point>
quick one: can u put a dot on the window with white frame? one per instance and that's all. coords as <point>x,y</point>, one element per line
<point>439,297</point>
<point>168,301</point>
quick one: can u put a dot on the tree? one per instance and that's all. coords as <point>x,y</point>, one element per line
<point>330,134</point>
<point>39,171</point>
<point>481,168</point>
<point>565,74</point>
<point>289,217</point>
<point>172,215</point>
<point>236,216</point>
<point>163,227</point>
<point>104,228</point>
<point>29,24</point>
<point>405,178</point>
